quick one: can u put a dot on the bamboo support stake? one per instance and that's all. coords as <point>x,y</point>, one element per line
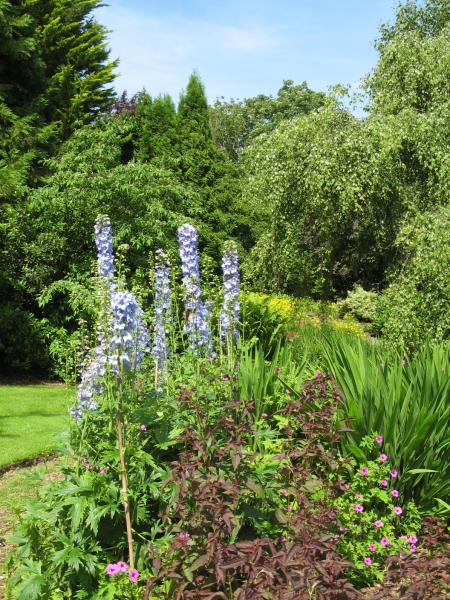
<point>124,473</point>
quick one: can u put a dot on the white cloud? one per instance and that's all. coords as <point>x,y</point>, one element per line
<point>241,48</point>
<point>157,53</point>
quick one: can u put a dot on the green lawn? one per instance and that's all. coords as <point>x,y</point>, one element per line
<point>30,417</point>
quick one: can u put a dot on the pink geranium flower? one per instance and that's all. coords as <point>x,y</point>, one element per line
<point>364,471</point>
<point>372,547</point>
<point>133,574</point>
<point>413,548</point>
<point>367,561</point>
<point>112,569</point>
<point>264,415</point>
<point>378,523</point>
<point>383,457</point>
<point>284,492</point>
<point>122,566</point>
<point>277,370</point>
<point>395,493</point>
<point>398,510</point>
<point>384,483</point>
<point>144,428</point>
<point>288,391</point>
<point>394,473</point>
<point>413,539</point>
<point>379,439</point>
<point>384,541</point>
<point>358,508</point>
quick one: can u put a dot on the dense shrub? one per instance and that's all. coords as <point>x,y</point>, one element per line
<point>360,303</point>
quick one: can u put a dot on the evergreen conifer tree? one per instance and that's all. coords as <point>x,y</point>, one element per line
<point>54,71</point>
<point>197,148</point>
<point>158,135</point>
<point>73,48</point>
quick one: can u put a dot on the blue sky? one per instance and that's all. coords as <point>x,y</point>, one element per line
<point>242,48</point>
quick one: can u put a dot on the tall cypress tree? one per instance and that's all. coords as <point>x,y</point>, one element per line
<point>197,148</point>
<point>157,129</point>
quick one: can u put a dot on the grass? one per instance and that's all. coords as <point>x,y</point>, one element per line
<point>30,417</point>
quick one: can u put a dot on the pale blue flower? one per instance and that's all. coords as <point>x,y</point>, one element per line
<point>230,314</point>
<point>163,310</point>
<point>197,324</point>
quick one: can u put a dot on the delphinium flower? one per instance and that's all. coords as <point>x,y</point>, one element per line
<point>94,368</point>
<point>163,313</point>
<point>129,336</point>
<point>104,243</point>
<point>230,314</point>
<point>90,384</point>
<point>203,328</point>
<point>198,313</point>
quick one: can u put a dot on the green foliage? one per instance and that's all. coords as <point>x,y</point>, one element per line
<point>157,129</point>
<point>416,304</point>
<point>234,124</point>
<point>414,54</point>
<point>54,71</point>
<point>262,322</point>
<point>22,336</point>
<point>328,185</point>
<point>195,140</point>
<point>376,532</point>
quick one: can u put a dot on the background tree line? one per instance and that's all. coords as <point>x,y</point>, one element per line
<point>317,200</point>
